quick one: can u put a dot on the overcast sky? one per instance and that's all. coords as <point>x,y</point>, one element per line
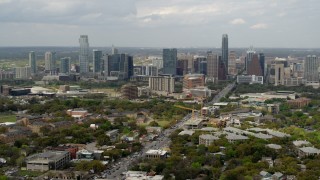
<point>161,23</point>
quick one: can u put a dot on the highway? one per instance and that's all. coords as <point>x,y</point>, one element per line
<point>222,93</point>
<point>163,141</point>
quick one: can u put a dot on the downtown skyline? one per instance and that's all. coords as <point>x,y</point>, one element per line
<point>176,23</point>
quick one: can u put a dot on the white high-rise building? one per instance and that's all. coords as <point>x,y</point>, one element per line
<point>84,54</point>
<point>311,66</point>
<point>50,61</point>
<point>22,72</point>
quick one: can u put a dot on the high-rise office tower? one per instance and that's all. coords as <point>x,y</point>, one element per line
<point>250,53</point>
<point>225,51</point>
<point>97,61</point>
<point>32,62</point>
<point>169,61</point>
<point>279,74</point>
<point>84,54</point>
<point>232,63</point>
<point>65,65</point>
<point>182,67</point>
<point>50,61</point>
<point>262,63</point>
<point>212,67</point>
<point>254,67</point>
<point>118,65</point>
<point>311,66</point>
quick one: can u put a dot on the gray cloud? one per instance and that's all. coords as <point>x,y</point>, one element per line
<point>172,23</point>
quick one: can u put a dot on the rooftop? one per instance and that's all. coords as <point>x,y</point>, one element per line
<point>208,137</point>
<point>274,146</point>
<point>301,143</point>
<point>311,150</point>
<point>46,157</point>
<point>186,132</point>
<point>156,152</point>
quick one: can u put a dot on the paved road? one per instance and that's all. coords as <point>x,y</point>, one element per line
<point>222,93</point>
<point>162,142</point>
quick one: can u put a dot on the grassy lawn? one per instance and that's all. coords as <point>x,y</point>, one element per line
<point>7,118</point>
<point>30,173</point>
<point>163,123</point>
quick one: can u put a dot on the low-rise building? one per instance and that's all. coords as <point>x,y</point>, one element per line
<point>84,154</point>
<point>156,154</point>
<point>299,103</point>
<point>138,175</point>
<point>129,91</point>
<point>71,149</point>
<point>308,151</point>
<point>113,134</point>
<point>250,79</point>
<point>207,139</point>
<point>193,80</point>
<point>48,160</point>
<point>300,143</point>
<point>77,113</point>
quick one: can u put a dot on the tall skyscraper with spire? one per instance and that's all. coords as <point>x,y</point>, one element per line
<point>32,62</point>
<point>225,51</point>
<point>84,54</point>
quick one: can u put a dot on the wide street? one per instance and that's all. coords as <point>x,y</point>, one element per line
<point>163,141</point>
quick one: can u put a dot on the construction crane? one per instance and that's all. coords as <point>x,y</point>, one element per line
<point>191,109</point>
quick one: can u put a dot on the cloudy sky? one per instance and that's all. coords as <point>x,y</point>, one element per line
<point>161,23</point>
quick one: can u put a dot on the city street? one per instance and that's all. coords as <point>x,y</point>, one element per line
<point>162,141</point>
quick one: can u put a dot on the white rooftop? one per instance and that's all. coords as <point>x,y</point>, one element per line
<point>274,146</point>
<point>156,152</point>
<point>311,150</point>
<point>186,132</point>
<point>301,143</point>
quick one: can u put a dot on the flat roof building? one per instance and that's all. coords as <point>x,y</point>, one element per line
<point>207,139</point>
<point>48,160</point>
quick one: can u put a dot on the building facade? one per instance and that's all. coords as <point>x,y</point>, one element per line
<point>84,54</point>
<point>32,62</point>
<point>97,61</point>
<point>118,65</point>
<point>162,83</point>
<point>212,67</point>
<point>311,73</point>
<point>193,80</point>
<point>50,61</point>
<point>225,51</point>
<point>169,61</point>
<point>22,72</point>
<point>50,160</point>
<point>65,65</point>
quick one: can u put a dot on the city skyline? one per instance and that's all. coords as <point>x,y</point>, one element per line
<point>140,23</point>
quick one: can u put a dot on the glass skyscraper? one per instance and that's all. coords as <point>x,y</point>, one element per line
<point>225,51</point>
<point>32,62</point>
<point>84,54</point>
<point>97,61</point>
<point>170,61</point>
